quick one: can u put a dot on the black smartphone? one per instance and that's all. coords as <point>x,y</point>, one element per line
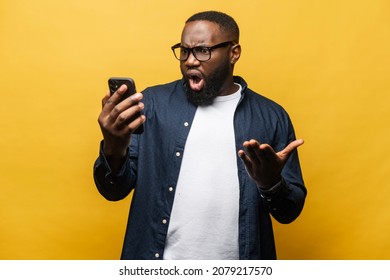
<point>115,82</point>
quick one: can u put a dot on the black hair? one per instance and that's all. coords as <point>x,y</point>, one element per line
<point>226,22</point>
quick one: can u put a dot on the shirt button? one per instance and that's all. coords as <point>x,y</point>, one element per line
<point>178,154</point>
<point>186,124</point>
<point>164,221</point>
<point>170,189</point>
<point>157,255</point>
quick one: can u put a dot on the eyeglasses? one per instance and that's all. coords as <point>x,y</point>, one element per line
<point>201,53</point>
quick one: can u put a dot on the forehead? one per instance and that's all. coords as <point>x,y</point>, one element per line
<point>201,32</point>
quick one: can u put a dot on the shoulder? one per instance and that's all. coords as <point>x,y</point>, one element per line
<point>161,94</point>
<point>165,96</point>
<point>268,118</point>
<point>255,99</point>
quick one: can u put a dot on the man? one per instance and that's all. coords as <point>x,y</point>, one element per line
<point>205,173</point>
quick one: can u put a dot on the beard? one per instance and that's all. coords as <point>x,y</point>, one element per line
<point>212,87</point>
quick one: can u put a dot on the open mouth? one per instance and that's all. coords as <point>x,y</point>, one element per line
<point>195,79</point>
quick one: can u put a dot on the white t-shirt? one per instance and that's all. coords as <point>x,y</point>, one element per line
<point>204,218</point>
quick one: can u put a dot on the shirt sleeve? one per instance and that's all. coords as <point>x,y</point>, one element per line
<point>113,187</point>
<point>285,202</point>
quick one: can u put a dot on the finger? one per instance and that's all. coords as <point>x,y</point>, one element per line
<point>285,153</point>
<point>129,115</point>
<point>117,110</point>
<point>105,98</point>
<point>114,99</point>
<point>251,145</point>
<point>252,151</point>
<point>268,152</point>
<point>136,123</point>
<point>245,159</point>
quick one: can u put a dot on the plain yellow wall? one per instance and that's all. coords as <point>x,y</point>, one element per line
<point>326,62</point>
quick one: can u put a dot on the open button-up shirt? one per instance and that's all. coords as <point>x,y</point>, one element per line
<point>153,163</point>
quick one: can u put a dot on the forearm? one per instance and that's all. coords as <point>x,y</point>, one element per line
<point>286,202</point>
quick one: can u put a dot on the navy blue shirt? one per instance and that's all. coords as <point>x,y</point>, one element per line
<point>153,163</point>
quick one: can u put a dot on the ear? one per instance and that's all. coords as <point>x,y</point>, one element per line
<point>235,53</point>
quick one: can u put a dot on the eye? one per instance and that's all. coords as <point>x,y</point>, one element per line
<point>202,50</point>
<point>184,51</point>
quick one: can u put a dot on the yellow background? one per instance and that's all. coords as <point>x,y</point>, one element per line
<point>326,62</point>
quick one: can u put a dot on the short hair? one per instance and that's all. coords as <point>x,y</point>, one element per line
<point>226,22</point>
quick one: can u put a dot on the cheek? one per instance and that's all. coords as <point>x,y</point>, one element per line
<point>183,68</point>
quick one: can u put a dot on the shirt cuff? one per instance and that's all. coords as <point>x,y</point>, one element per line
<point>274,188</point>
<point>108,175</point>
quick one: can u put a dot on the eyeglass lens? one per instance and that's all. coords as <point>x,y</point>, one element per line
<point>200,53</point>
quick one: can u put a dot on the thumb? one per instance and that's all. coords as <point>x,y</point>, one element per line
<point>285,153</point>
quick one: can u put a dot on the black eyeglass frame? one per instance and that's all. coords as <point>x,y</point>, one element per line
<point>209,49</point>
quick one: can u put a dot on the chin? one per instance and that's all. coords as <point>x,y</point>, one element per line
<point>203,97</point>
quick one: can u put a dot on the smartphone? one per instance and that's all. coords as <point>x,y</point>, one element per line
<point>115,82</point>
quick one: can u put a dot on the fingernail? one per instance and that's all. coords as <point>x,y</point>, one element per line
<point>136,96</point>
<point>122,88</point>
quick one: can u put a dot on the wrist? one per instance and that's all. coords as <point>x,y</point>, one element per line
<point>274,188</point>
<point>112,151</point>
<point>115,158</point>
<point>268,184</point>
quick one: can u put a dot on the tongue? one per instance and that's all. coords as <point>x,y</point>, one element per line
<point>196,84</point>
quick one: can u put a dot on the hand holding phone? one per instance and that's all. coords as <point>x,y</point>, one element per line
<point>115,83</point>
